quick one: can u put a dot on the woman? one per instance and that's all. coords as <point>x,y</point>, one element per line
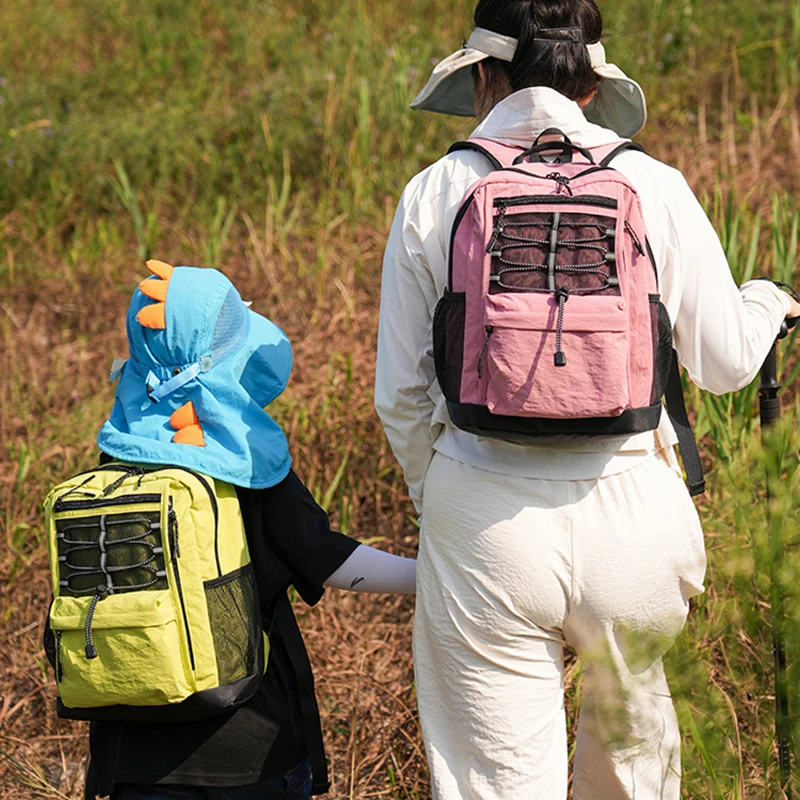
<point>591,543</point>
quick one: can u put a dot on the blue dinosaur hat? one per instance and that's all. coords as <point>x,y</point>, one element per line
<point>202,367</point>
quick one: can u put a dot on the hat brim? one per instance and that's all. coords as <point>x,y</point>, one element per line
<point>450,88</point>
<point>263,364</point>
<point>619,103</point>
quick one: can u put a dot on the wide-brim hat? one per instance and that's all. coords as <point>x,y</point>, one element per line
<point>201,369</point>
<point>619,103</point>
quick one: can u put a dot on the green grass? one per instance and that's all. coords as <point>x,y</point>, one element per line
<point>274,138</point>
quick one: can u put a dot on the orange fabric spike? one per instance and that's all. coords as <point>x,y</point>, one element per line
<point>153,316</point>
<point>160,268</point>
<point>184,416</point>
<point>155,290</point>
<point>193,434</point>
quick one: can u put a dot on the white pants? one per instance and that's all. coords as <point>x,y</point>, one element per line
<point>510,569</point>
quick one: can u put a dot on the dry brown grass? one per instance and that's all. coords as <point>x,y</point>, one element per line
<point>58,333</point>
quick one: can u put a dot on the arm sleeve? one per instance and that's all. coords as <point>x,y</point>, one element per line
<point>299,531</point>
<point>372,570</point>
<point>404,365</point>
<point>722,334</point>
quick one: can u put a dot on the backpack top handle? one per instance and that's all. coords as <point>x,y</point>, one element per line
<point>564,146</point>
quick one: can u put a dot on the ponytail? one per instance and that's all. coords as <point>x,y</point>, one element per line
<point>552,36</point>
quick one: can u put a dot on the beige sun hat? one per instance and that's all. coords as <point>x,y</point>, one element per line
<point>619,104</point>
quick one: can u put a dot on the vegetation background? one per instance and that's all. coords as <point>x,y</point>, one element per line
<point>273,138</point>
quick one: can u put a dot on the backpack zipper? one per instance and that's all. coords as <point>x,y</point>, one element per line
<point>127,500</point>
<point>214,507</point>
<point>59,667</point>
<point>175,553</point>
<point>585,200</point>
<point>637,244</point>
<point>562,181</point>
<point>489,331</point>
<point>498,229</point>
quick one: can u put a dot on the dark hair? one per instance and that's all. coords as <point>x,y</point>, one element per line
<point>552,35</point>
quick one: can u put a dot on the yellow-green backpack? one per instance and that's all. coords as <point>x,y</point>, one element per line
<point>155,609</point>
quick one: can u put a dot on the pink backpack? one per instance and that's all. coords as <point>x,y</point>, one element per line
<point>551,322</point>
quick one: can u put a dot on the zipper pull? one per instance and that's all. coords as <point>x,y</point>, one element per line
<point>59,668</point>
<point>562,295</point>
<point>637,244</point>
<point>562,181</point>
<point>129,472</point>
<point>498,229</point>
<point>175,547</point>
<point>489,330</point>
<point>100,592</point>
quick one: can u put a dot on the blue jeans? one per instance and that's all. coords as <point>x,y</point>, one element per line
<point>294,785</point>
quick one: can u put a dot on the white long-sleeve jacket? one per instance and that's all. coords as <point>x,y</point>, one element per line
<point>722,333</point>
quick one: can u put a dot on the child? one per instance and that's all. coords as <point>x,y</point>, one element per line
<point>202,368</point>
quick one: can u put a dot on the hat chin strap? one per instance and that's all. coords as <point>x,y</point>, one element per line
<point>157,389</point>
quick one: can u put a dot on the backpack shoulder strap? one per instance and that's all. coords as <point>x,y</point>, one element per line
<point>676,408</point>
<point>499,155</point>
<point>616,150</point>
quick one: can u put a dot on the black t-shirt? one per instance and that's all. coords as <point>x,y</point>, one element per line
<point>291,543</point>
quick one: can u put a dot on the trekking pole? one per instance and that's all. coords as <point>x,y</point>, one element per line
<point>770,411</point>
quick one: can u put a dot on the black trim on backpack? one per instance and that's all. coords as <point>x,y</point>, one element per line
<point>566,148</point>
<point>478,149</point>
<point>200,705</point>
<point>479,420</point>
<point>625,146</point>
<point>676,408</point>
<point>606,162</point>
<point>296,649</point>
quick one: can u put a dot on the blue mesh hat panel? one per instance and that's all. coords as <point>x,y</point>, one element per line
<point>233,325</point>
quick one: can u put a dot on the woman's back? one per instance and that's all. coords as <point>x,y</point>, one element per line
<point>712,321</point>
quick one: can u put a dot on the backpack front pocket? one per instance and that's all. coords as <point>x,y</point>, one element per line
<point>118,616</point>
<point>549,359</point>
<point>140,650</point>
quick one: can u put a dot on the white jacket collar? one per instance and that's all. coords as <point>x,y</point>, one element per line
<point>523,115</point>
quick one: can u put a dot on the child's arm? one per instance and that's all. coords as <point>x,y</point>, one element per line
<point>371,570</point>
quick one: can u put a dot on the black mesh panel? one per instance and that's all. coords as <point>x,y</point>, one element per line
<point>131,554</point>
<point>448,343</point>
<point>662,347</point>
<point>584,254</point>
<point>235,625</point>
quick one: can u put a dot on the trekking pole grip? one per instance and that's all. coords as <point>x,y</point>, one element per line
<point>769,404</point>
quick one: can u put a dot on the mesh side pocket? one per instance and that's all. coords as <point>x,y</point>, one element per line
<point>662,347</point>
<point>235,625</point>
<point>448,343</point>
